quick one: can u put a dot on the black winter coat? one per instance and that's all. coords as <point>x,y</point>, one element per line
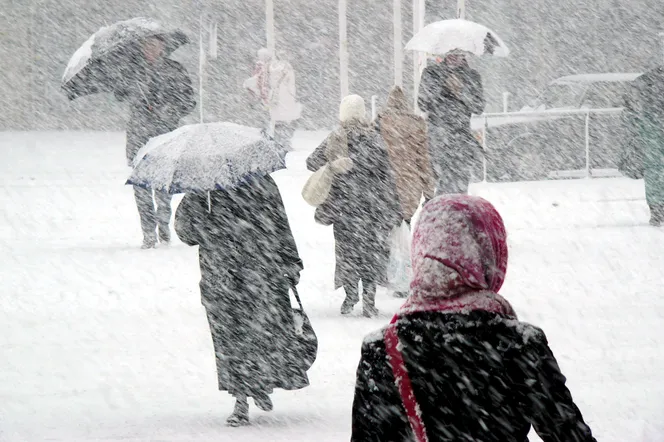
<point>476,377</point>
<point>444,107</point>
<point>363,206</point>
<point>248,258</point>
<point>159,97</point>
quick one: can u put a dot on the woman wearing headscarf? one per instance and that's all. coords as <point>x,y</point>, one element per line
<point>248,261</point>
<point>456,364</point>
<point>362,205</point>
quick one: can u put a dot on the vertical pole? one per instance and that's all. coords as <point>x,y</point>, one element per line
<point>506,102</point>
<point>269,27</point>
<point>461,9</point>
<point>374,107</point>
<point>485,133</point>
<point>212,41</point>
<point>398,42</point>
<point>588,145</point>
<point>201,68</point>
<point>343,47</point>
<point>419,10</point>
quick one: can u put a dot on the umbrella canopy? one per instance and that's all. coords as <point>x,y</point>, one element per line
<point>445,36</point>
<point>206,157</point>
<point>109,54</point>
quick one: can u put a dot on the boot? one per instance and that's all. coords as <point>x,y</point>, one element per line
<point>149,241</point>
<point>240,416</point>
<point>352,298</point>
<point>369,309</point>
<point>263,402</point>
<point>656,215</point>
<point>164,234</point>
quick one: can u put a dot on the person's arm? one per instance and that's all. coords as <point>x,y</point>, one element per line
<point>428,91</point>
<point>424,166</point>
<point>476,101</point>
<point>176,100</point>
<point>318,158</point>
<point>189,220</point>
<point>288,252</point>
<point>554,415</point>
<point>378,412</point>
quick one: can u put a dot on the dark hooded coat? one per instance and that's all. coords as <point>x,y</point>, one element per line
<point>455,154</point>
<point>363,207</point>
<point>248,259</point>
<point>159,96</point>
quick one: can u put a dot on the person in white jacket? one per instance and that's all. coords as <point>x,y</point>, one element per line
<point>273,82</point>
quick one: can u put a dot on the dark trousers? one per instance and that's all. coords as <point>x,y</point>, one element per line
<point>151,217</point>
<point>368,293</point>
<point>283,133</point>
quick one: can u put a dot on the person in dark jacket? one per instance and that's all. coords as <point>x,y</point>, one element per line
<point>650,119</point>
<point>363,205</point>
<point>160,94</point>
<point>450,92</point>
<point>248,261</point>
<point>456,364</point>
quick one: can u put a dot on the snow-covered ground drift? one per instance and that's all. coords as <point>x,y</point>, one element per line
<point>100,340</point>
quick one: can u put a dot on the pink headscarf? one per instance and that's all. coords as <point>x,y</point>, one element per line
<point>459,256</point>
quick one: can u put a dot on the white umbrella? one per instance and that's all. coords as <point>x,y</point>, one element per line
<point>448,35</point>
<point>206,157</point>
<point>107,55</point>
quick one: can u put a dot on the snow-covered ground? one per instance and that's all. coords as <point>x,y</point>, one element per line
<point>100,340</point>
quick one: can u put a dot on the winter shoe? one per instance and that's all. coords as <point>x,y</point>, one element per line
<point>352,298</point>
<point>369,309</point>
<point>263,402</point>
<point>347,306</point>
<point>240,416</point>
<point>164,235</point>
<point>149,242</point>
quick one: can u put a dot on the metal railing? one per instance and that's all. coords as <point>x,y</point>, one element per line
<point>514,118</point>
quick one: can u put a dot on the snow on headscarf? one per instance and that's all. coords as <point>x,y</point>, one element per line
<point>459,257</point>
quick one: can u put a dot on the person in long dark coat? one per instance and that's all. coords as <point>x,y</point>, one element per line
<point>450,92</point>
<point>650,119</point>
<point>160,94</point>
<point>456,364</point>
<point>248,261</point>
<point>363,205</point>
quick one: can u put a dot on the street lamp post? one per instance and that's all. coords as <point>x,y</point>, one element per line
<point>461,9</point>
<point>269,27</point>
<point>398,48</point>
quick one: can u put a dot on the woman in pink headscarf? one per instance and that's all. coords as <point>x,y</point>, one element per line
<point>456,364</point>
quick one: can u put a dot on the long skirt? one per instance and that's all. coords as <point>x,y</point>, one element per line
<point>362,253</point>
<point>455,158</point>
<point>253,333</point>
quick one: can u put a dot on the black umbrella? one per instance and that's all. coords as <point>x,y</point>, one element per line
<point>109,55</point>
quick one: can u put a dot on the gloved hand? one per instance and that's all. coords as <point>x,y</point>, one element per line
<point>293,277</point>
<point>341,166</point>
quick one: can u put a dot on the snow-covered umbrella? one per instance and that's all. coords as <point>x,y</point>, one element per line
<point>445,36</point>
<point>206,157</point>
<point>109,54</point>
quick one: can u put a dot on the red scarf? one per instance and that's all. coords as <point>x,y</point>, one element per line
<point>459,257</point>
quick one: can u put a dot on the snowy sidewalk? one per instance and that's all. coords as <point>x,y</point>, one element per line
<point>103,341</point>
